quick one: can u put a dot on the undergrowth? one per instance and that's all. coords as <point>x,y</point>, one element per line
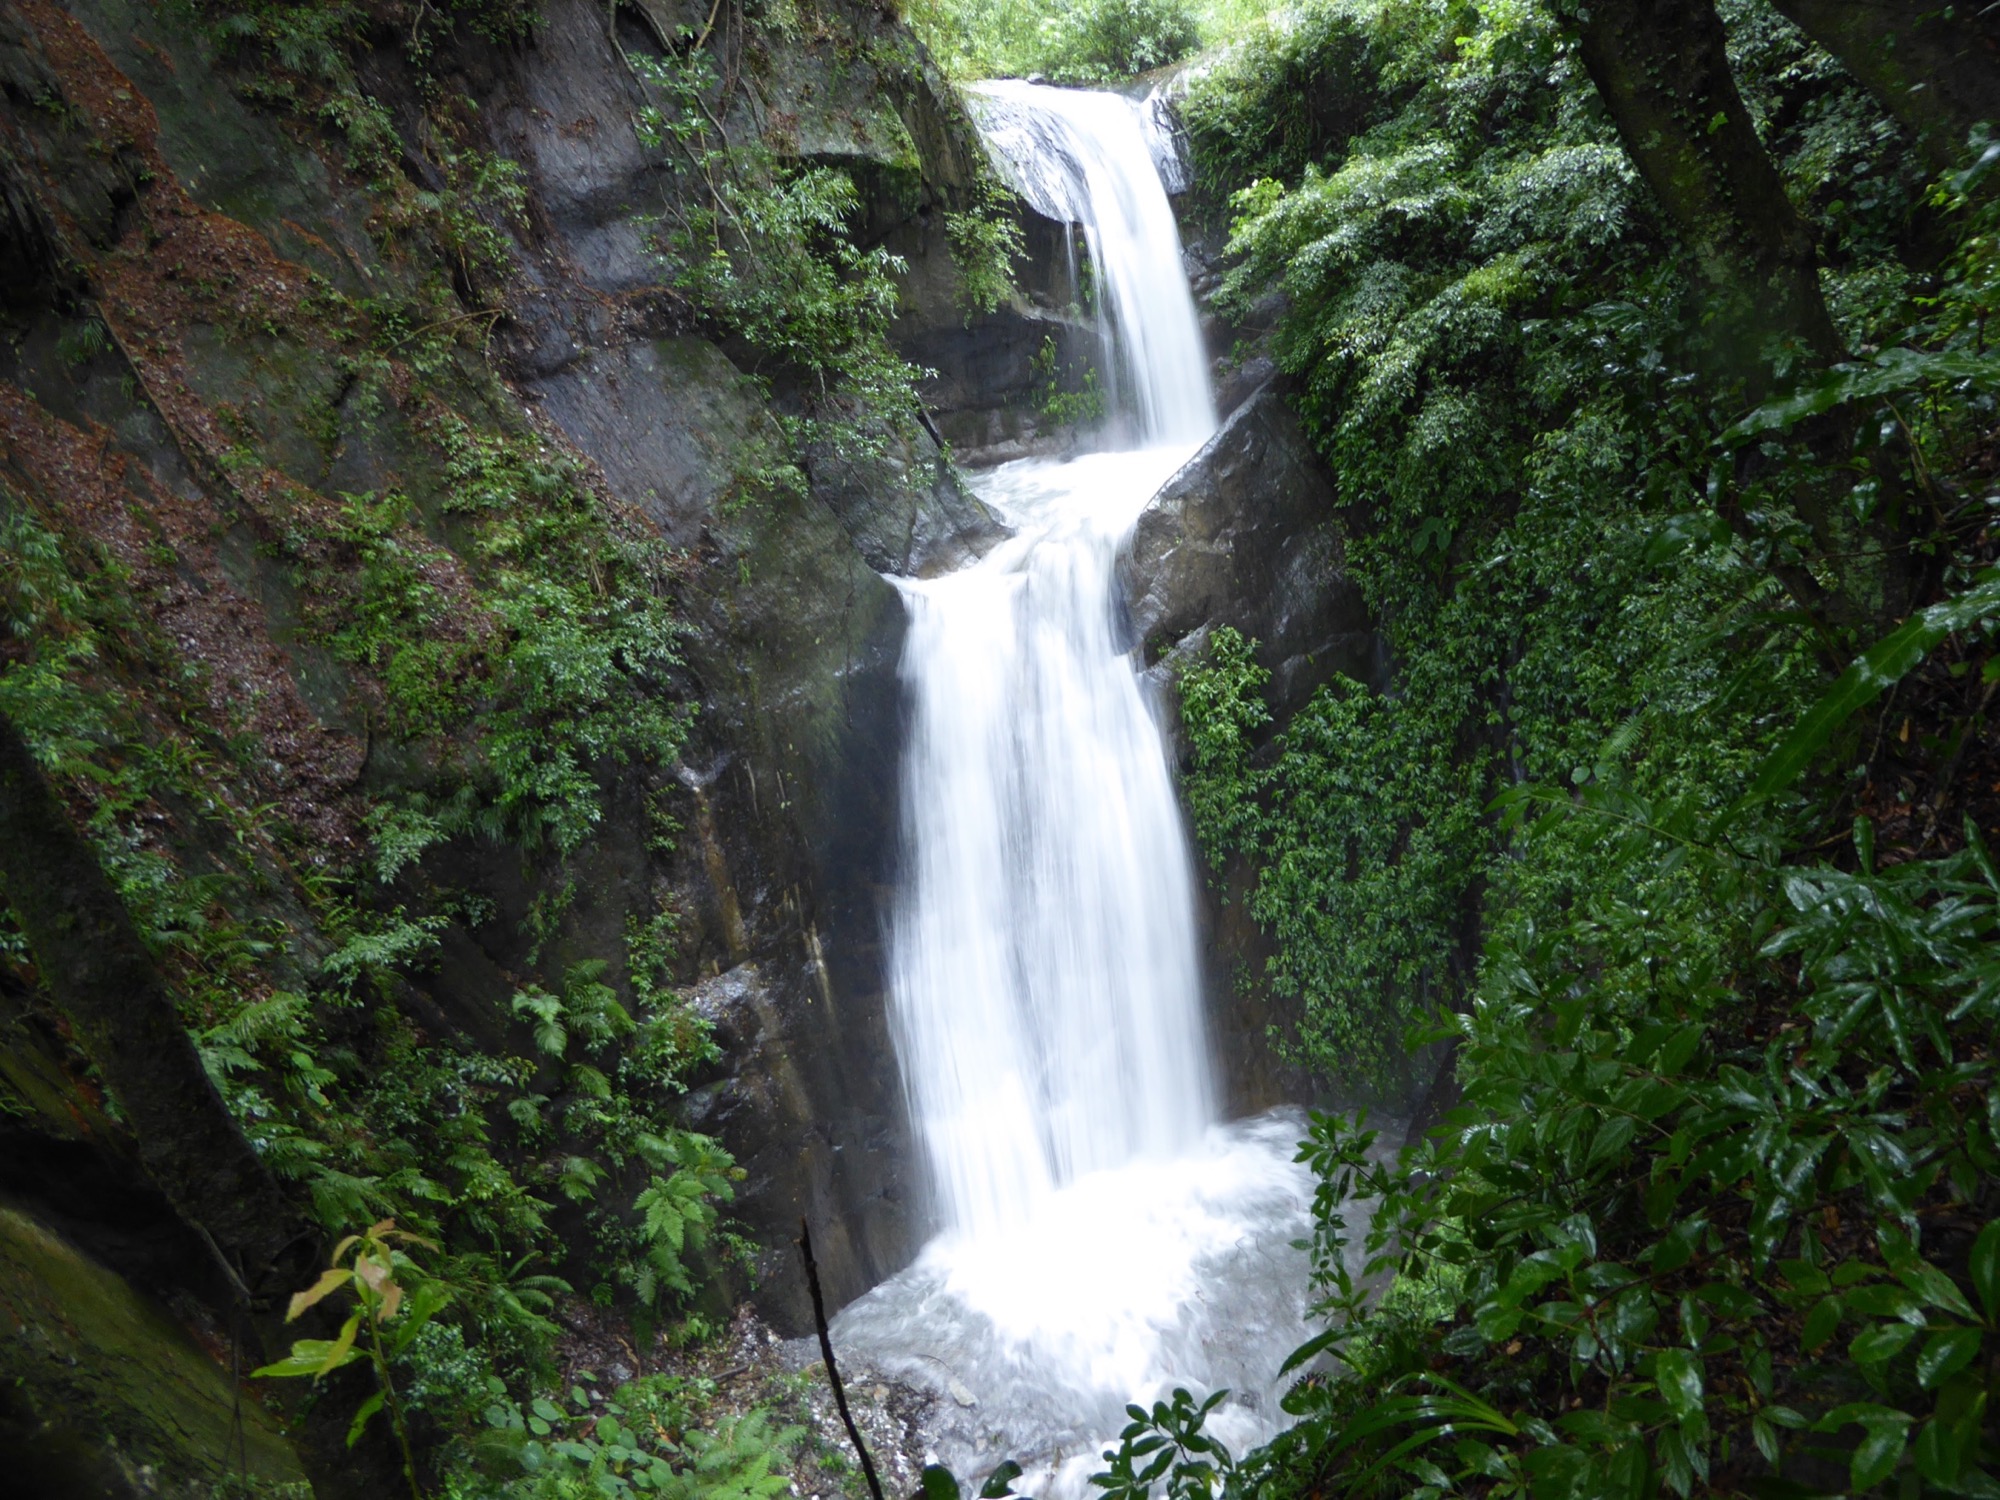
<point>1492,351</point>
<point>1702,1202</point>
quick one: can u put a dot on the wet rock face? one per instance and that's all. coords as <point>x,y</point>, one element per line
<point>1247,535</point>
<point>104,1394</point>
<point>789,779</point>
<point>791,1050</point>
<point>985,391</point>
<point>786,790</point>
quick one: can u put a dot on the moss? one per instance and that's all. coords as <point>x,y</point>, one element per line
<point>103,1386</point>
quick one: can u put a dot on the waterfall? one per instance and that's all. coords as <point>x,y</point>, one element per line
<point>1084,158</point>
<point>1101,1237</point>
<point>1046,993</point>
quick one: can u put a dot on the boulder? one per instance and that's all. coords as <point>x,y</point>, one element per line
<point>104,1394</point>
<point>1247,535</point>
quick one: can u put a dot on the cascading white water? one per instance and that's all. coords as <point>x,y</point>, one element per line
<point>1047,996</point>
<point>1102,1237</point>
<point>1083,158</point>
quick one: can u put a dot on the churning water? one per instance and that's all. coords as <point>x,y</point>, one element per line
<point>1103,1237</point>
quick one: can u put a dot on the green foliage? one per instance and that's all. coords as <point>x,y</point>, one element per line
<point>1097,41</point>
<point>1167,1447</point>
<point>1490,347</point>
<point>1104,40</point>
<point>1701,1213</point>
<point>1878,669</point>
<point>548,647</point>
<point>939,1483</point>
<point>637,1440</point>
<point>1061,394</point>
<point>676,1215</point>
<point>1357,888</point>
<point>296,55</point>
<point>1709,1215</point>
<point>1298,86</point>
<point>385,1311</point>
<point>763,251</point>
<point>510,639</point>
<point>74,639</point>
<point>333,1085</point>
<point>986,245</point>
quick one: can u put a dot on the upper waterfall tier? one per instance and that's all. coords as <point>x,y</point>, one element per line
<point>1082,158</point>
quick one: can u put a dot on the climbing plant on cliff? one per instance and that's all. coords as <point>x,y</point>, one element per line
<point>1498,351</point>
<point>764,251</point>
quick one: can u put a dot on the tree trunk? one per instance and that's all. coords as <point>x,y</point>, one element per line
<point>94,964</point>
<point>1662,69</point>
<point>1935,68</point>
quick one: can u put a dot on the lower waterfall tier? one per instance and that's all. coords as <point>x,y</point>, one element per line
<point>1171,1271</point>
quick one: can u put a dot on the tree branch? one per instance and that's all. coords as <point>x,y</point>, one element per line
<point>832,1369</point>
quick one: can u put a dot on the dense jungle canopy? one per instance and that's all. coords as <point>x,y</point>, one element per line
<point>362,862</point>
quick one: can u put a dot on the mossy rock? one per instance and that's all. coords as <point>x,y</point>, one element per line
<point>102,1394</point>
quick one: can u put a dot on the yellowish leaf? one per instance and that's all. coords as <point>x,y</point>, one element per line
<point>374,1274</point>
<point>330,1281</point>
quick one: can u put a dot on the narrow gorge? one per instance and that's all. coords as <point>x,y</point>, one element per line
<point>1284,708</point>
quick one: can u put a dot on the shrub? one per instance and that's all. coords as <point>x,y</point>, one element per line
<point>1103,40</point>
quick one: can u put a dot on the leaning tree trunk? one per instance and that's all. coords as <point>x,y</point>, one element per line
<point>1936,68</point>
<point>1662,69</point>
<point>94,964</point>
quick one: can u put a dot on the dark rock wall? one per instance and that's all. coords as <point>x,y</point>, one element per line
<point>139,188</point>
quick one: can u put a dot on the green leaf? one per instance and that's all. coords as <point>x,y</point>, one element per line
<point>1937,1289</point>
<point>1939,1452</point>
<point>1679,1375</point>
<point>1947,1351</point>
<point>1881,1449</point>
<point>939,1483</point>
<point>1613,1136</point>
<point>1765,1436</point>
<point>1676,1464</point>
<point>1886,1302</point>
<point>1312,1347</point>
<point>1000,1483</point>
<point>1873,673</point>
<point>429,1297</point>
<point>309,1357</point>
<point>1678,1247</point>
<point>1986,1269</point>
<point>1893,370</point>
<point>1810,1280</point>
<point>1881,1343</point>
<point>368,1409</point>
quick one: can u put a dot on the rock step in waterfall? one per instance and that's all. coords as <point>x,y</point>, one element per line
<point>1101,1237</point>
